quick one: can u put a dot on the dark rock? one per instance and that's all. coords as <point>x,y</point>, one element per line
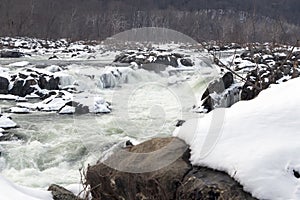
<point>208,184</point>
<point>296,174</point>
<point>128,143</point>
<point>4,83</point>
<point>17,88</point>
<point>179,123</point>
<point>186,62</point>
<point>11,54</point>
<point>53,57</point>
<point>176,181</point>
<point>22,89</point>
<point>51,84</point>
<point>60,193</point>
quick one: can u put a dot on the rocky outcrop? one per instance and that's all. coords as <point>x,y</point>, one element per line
<point>174,180</point>
<point>30,81</point>
<point>11,54</point>
<point>147,59</point>
<point>220,93</point>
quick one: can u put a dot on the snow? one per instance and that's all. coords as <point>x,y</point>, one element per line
<point>257,143</point>
<point>67,110</point>
<point>8,97</point>
<point>53,105</point>
<point>5,122</point>
<point>11,191</point>
<point>19,64</point>
<point>19,110</point>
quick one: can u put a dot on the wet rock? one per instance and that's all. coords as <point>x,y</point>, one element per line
<point>177,180</point>
<point>3,85</point>
<point>60,193</point>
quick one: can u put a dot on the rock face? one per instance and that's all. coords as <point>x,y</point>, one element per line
<point>168,182</point>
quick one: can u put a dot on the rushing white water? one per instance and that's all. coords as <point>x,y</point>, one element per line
<point>52,148</point>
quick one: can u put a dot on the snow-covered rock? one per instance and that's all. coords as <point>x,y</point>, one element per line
<point>67,110</point>
<point>5,122</point>
<point>19,110</point>
<point>257,142</point>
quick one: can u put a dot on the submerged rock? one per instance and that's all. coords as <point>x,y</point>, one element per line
<point>175,180</point>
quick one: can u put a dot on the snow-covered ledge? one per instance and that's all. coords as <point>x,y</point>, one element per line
<point>258,143</point>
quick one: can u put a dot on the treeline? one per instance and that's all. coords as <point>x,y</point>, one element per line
<point>227,21</point>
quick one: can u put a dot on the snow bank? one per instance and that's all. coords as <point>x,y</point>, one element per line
<point>258,144</point>
<point>10,191</point>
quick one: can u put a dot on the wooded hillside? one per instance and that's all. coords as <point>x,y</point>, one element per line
<point>224,20</point>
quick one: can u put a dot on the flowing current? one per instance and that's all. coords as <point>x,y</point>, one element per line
<point>51,148</point>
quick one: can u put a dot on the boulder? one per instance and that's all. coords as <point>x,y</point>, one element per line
<point>3,85</point>
<point>23,87</point>
<point>111,184</point>
<point>175,180</point>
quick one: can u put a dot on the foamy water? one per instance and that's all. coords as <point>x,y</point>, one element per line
<point>54,147</point>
